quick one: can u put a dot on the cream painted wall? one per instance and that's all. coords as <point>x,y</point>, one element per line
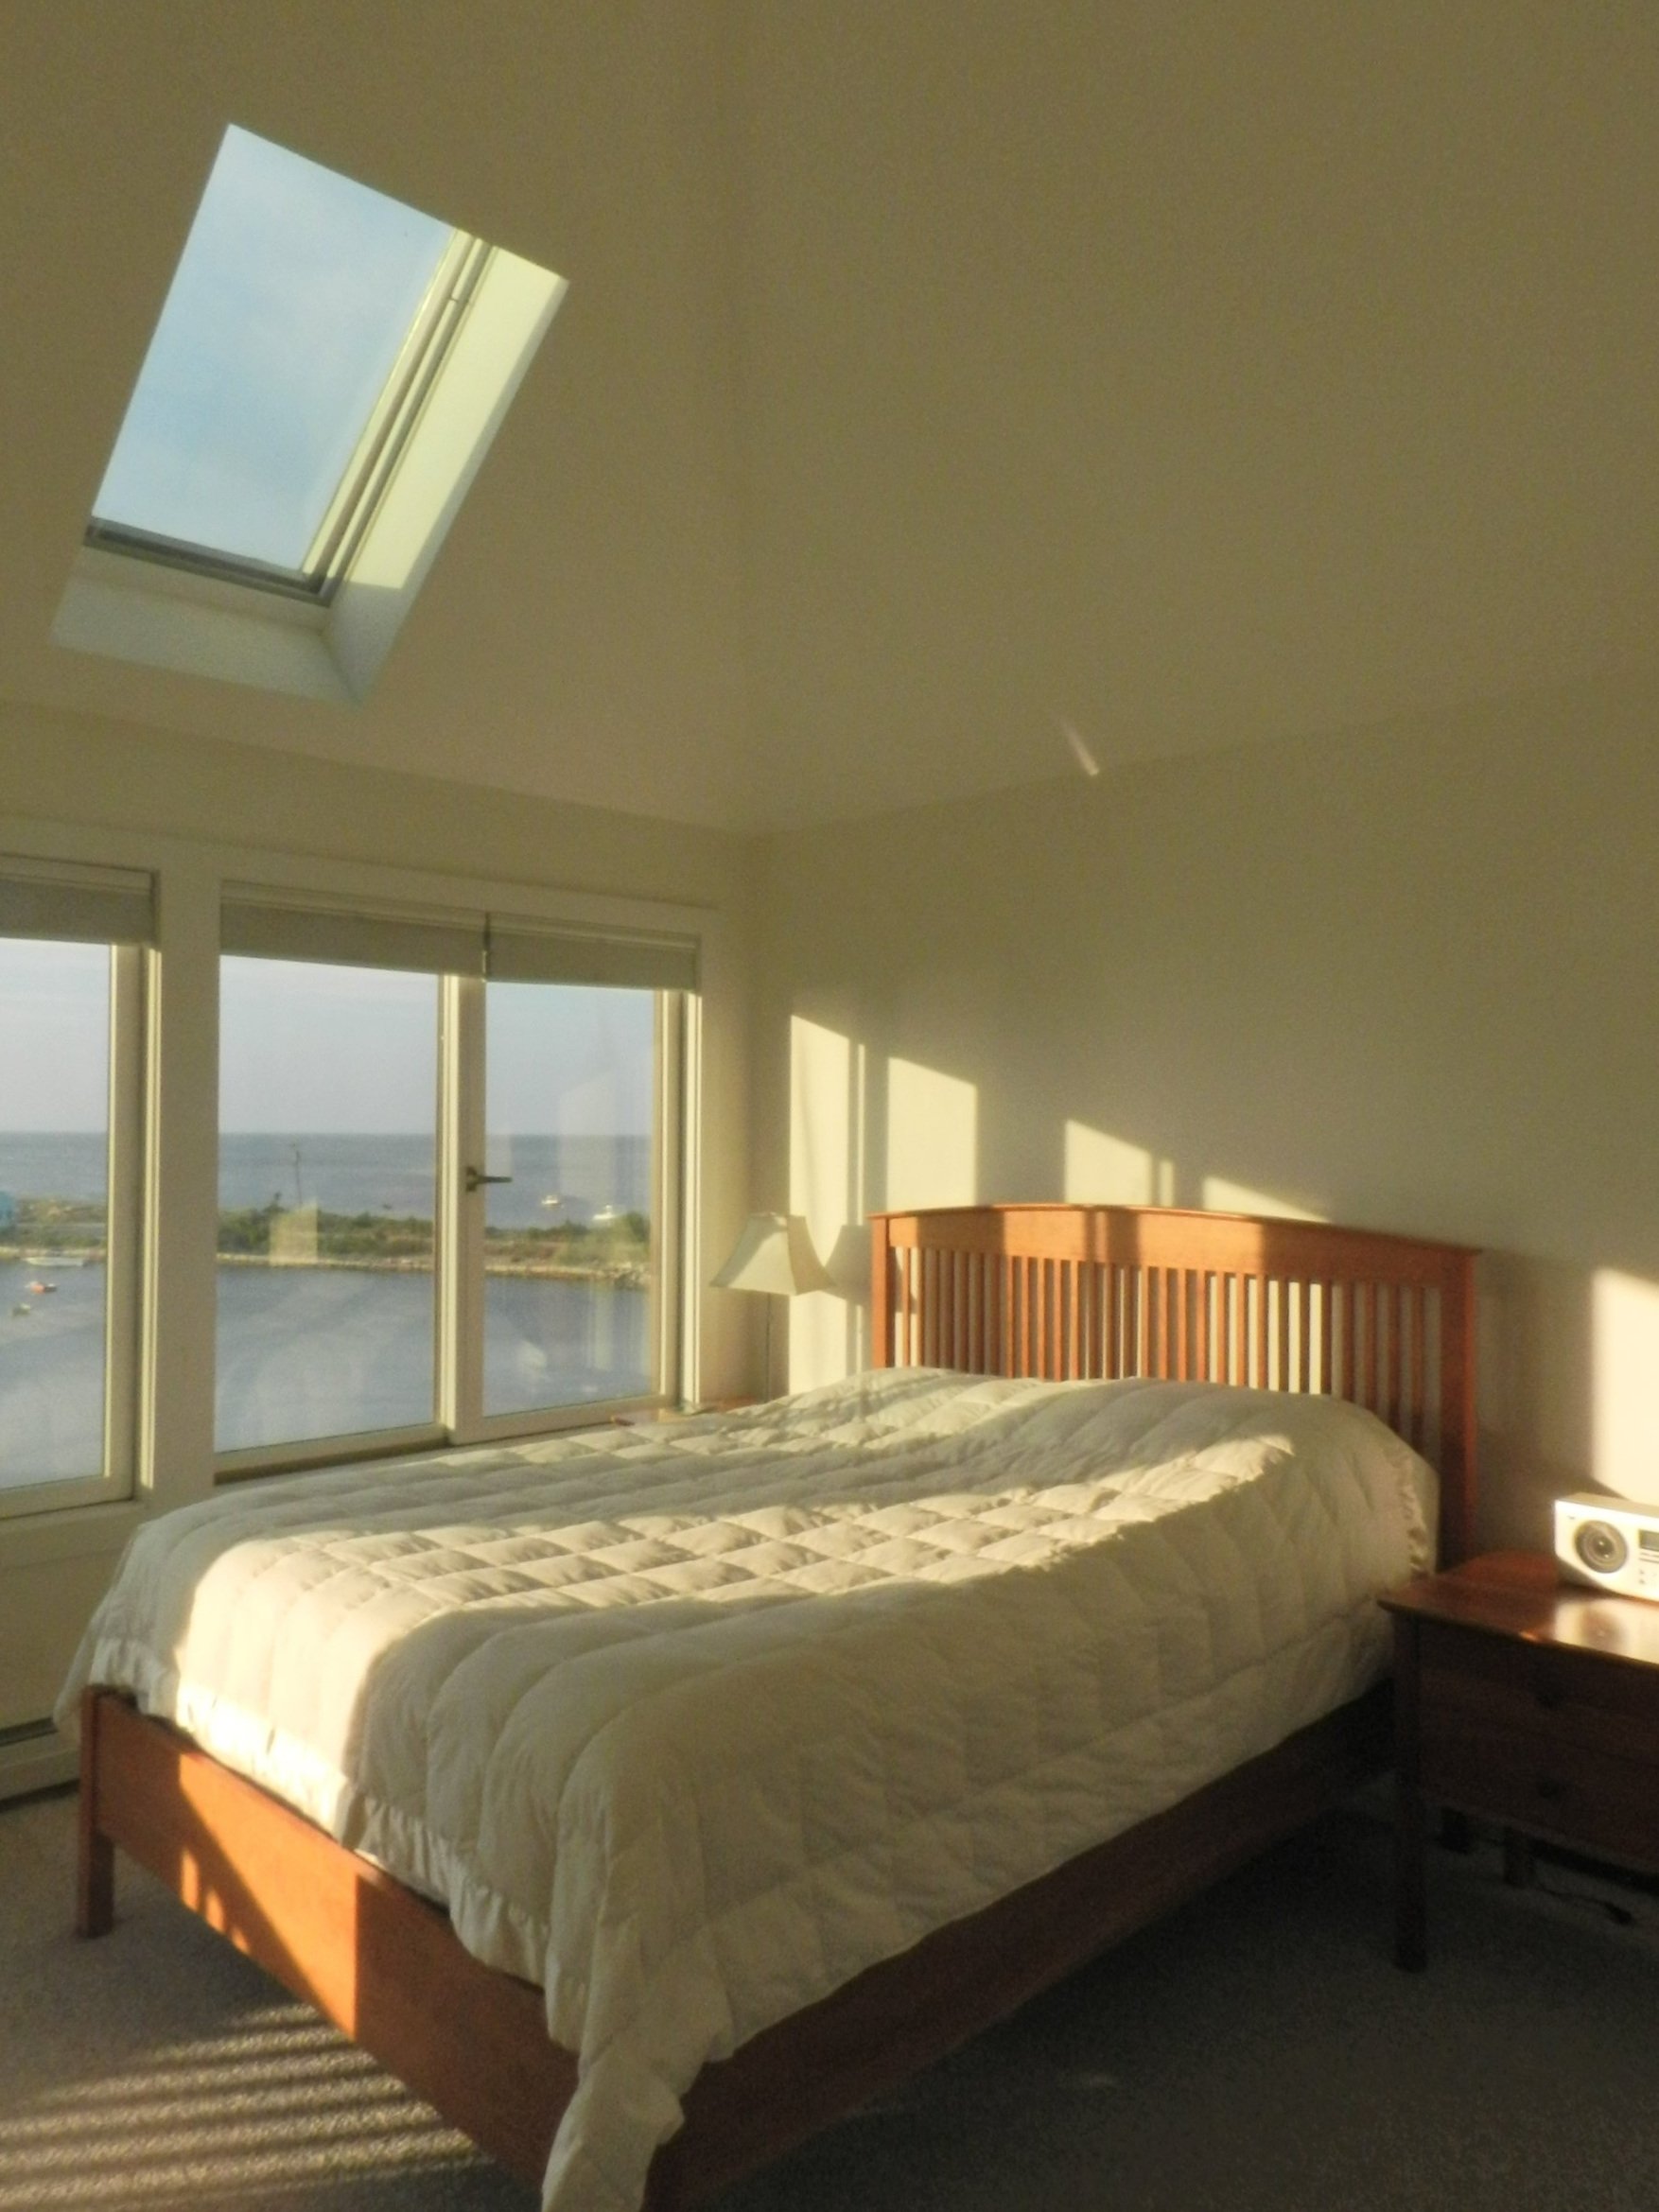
<point>196,810</point>
<point>1409,979</point>
<point>71,768</point>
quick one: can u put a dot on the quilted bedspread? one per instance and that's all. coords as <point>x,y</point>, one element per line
<point>690,1723</point>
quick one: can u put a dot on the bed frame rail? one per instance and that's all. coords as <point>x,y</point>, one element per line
<point>1067,1291</point>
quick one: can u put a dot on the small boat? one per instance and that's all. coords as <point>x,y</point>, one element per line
<point>21,1306</point>
<point>553,1198</point>
<point>42,1289</point>
<point>604,1213</point>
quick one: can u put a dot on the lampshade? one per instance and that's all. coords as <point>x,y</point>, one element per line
<point>774,1253</point>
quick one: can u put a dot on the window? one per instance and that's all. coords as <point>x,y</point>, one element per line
<point>328,371</point>
<point>327,1201</point>
<point>305,308</point>
<point>448,1207</point>
<point>71,1074</point>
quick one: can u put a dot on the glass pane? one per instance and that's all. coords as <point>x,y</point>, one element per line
<point>570,1256</point>
<point>54,1200</point>
<point>295,292</point>
<point>328,1180</point>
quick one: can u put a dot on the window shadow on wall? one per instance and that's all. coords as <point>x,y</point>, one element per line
<point>1567,1352</point>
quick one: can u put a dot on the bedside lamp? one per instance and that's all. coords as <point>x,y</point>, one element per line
<point>772,1255</point>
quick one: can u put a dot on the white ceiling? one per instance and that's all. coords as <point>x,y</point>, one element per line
<point>935,378</point>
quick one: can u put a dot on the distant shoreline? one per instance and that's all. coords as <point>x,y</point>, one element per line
<point>614,1278</point>
<point>46,1233</point>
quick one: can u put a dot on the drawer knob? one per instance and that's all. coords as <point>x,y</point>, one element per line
<point>1551,1790</point>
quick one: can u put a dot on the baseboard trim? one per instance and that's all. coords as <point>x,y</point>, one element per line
<point>34,1758</point>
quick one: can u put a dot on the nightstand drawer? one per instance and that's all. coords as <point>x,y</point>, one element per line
<point>1504,1683</point>
<point>1551,1739</point>
<point>1587,1798</point>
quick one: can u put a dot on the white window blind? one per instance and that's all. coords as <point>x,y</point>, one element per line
<point>521,952</point>
<point>92,906</point>
<point>274,925</point>
<point>278,925</point>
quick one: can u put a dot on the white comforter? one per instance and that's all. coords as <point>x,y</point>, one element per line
<point>690,1724</point>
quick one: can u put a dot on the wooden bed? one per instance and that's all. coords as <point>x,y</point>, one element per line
<point>1057,1291</point>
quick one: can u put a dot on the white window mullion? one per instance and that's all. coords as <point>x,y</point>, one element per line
<point>124,1228</point>
<point>180,1185</point>
<point>460,1214</point>
<point>668,1175</point>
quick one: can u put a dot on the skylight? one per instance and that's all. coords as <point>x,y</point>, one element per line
<point>297,293</point>
<point>326,375</point>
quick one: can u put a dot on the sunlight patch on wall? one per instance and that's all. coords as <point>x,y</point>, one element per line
<point>933,1138</point>
<point>1107,1171</point>
<point>825,1183</point>
<point>1221,1196</point>
<point>1624,1449</point>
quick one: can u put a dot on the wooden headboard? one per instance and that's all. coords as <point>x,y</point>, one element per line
<point>1069,1292</point>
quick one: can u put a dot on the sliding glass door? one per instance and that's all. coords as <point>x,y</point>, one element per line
<point>569,1255</point>
<point>446,1204</point>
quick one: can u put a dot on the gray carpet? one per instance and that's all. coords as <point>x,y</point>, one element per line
<point>1256,2053</point>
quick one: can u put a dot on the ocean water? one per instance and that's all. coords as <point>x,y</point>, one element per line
<point>320,1351</point>
<point>51,1373</point>
<point>392,1175</point>
<point>308,1352</point>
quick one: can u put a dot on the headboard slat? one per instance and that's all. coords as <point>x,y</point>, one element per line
<point>1415,1300</point>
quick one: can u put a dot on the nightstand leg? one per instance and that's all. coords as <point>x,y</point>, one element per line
<point>1410,1901</point>
<point>1410,1816</point>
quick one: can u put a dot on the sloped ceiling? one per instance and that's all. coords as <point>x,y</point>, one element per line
<point>941,388</point>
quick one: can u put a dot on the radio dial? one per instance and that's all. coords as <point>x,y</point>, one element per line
<point>1602,1547</point>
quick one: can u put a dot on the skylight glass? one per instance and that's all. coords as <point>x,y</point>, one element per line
<point>298,291</point>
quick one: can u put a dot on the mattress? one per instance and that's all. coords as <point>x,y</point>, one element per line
<point>690,1723</point>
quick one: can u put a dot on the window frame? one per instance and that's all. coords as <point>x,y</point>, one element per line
<point>380,445</point>
<point>459,1247</point>
<point>127,1215</point>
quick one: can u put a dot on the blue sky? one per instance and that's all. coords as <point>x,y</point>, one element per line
<point>341,1049</point>
<point>294,292</point>
<point>54,1036</point>
<point>309,1049</point>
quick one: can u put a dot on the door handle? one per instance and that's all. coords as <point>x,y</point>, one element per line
<point>476,1179</point>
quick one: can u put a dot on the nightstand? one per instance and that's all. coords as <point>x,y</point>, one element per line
<point>1527,1699</point>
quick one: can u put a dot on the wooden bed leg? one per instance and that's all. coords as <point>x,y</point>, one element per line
<point>95,1889</point>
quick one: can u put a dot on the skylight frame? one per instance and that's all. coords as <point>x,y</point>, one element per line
<point>350,513</point>
<point>393,419</point>
<point>322,633</point>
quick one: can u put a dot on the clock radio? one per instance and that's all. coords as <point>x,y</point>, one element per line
<point>1612,1543</point>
